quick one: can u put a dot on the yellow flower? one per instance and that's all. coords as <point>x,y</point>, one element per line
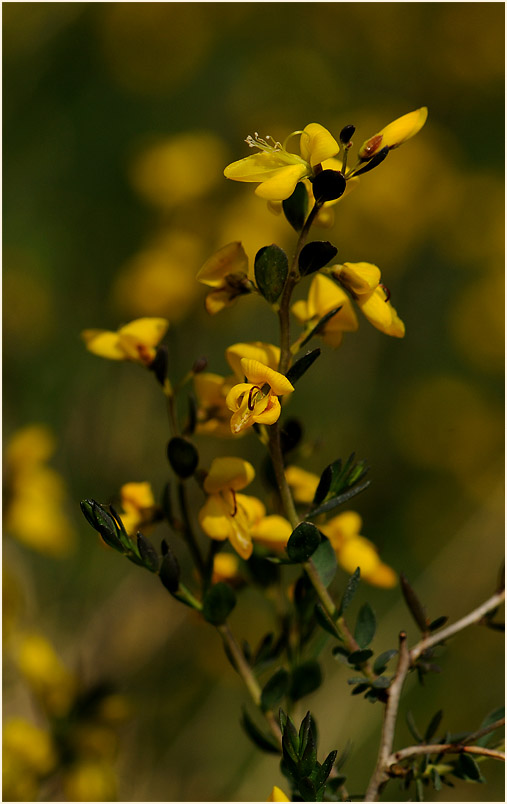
<point>46,675</point>
<point>213,415</point>
<point>135,341</point>
<point>395,134</point>
<point>249,403</point>
<point>353,550</point>
<point>35,494</point>
<point>265,353</point>
<point>277,795</point>
<point>276,170</point>
<point>272,532</point>
<point>225,568</point>
<point>303,484</point>
<point>137,504</point>
<point>226,514</point>
<point>362,279</point>
<point>31,746</point>
<point>324,295</point>
<point>90,780</point>
<point>226,272</point>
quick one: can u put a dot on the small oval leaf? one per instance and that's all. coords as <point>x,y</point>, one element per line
<point>303,542</point>
<point>271,269</point>
<point>315,255</point>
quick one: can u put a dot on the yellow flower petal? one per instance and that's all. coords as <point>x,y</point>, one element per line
<point>218,300</point>
<point>358,552</point>
<point>359,277</point>
<point>215,518</point>
<point>103,343</point>
<point>270,413</point>
<point>339,529</point>
<point>230,259</point>
<point>381,313</point>
<point>225,567</point>
<point>396,133</point>
<point>277,795</point>
<point>282,184</point>
<point>148,331</point>
<point>382,575</point>
<point>136,496</point>
<point>317,144</point>
<point>265,353</point>
<point>303,484</point>
<point>228,473</point>
<point>258,374</point>
<point>272,532</point>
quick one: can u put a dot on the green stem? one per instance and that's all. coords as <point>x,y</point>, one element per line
<point>275,449</point>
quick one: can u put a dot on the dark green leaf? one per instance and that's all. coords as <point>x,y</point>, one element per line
<point>218,603</point>
<point>350,591</point>
<point>382,660</point>
<point>104,523</point>
<point>433,726</point>
<point>303,542</point>
<point>468,769</point>
<point>333,786</point>
<point>366,626</point>
<point>315,255</point>
<point>305,732</point>
<point>306,678</point>
<point>182,456</point>
<point>319,326</point>
<point>360,688</point>
<point>289,732</point>
<point>326,768</point>
<point>295,207</point>
<point>148,553</point>
<point>342,654</point>
<point>381,683</point>
<point>436,780</point>
<point>302,365</point>
<point>324,621</point>
<point>263,741</point>
<point>438,623</point>
<point>359,657</point>
<point>493,717</point>
<point>355,680</point>
<point>307,789</point>
<point>275,689</point>
<point>192,415</point>
<point>166,503</point>
<point>170,571</point>
<point>271,269</point>
<point>324,560</point>
<point>419,790</point>
<point>341,498</point>
<point>324,485</point>
<point>414,731</point>
<point>414,604</point>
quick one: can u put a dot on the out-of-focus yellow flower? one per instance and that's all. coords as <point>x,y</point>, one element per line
<point>303,484</point>
<point>90,780</point>
<point>265,353</point>
<point>213,415</point>
<point>35,493</point>
<point>225,568</point>
<point>29,745</point>
<point>362,279</point>
<point>135,341</point>
<point>272,532</point>
<point>49,679</point>
<point>395,134</point>
<point>160,279</point>
<point>226,514</point>
<point>353,550</point>
<point>137,503</point>
<point>324,295</point>
<point>247,400</point>
<point>179,169</point>
<point>276,170</point>
<point>226,272</point>
<point>277,795</point>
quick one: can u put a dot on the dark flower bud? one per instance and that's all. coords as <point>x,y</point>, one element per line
<point>346,134</point>
<point>328,185</point>
<point>182,456</point>
<point>159,364</point>
<point>200,364</point>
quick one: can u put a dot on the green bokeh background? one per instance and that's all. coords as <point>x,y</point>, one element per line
<point>88,88</point>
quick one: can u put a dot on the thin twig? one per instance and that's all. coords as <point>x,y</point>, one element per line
<point>486,730</point>
<point>443,748</point>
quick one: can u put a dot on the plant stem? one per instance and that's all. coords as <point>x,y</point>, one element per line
<point>275,449</point>
<point>445,748</point>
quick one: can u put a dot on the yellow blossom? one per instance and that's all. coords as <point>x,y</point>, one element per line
<point>226,272</point>
<point>31,746</point>
<point>248,401</point>
<point>135,341</point>
<point>137,506</point>
<point>353,550</point>
<point>272,532</point>
<point>362,279</point>
<point>303,484</point>
<point>324,295</point>
<point>227,514</point>
<point>35,493</point>
<point>225,568</point>
<point>277,795</point>
<point>47,676</point>
<point>395,134</point>
<point>265,353</point>
<point>213,415</point>
<point>90,780</point>
<point>276,170</point>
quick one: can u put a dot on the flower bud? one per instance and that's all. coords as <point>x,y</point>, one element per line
<point>328,185</point>
<point>200,365</point>
<point>346,134</point>
<point>102,522</point>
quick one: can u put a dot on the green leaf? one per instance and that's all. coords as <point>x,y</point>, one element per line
<point>323,620</point>
<point>271,269</point>
<point>433,725</point>
<point>381,683</point>
<point>350,591</point>
<point>496,714</point>
<point>382,659</point>
<point>436,780</point>
<point>218,603</point>
<point>303,542</point>
<point>359,657</point>
<point>419,790</point>
<point>182,456</point>
<point>438,623</point>
<point>148,553</point>
<point>306,678</point>
<point>360,688</point>
<point>326,768</point>
<point>302,365</point>
<point>315,255</point>
<point>415,606</point>
<point>366,626</point>
<point>467,768</point>
<point>295,207</point>
<point>191,422</point>
<point>340,653</point>
<point>324,560</point>
<point>338,500</point>
<point>169,572</point>
<point>414,731</point>
<point>263,741</point>
<point>275,689</point>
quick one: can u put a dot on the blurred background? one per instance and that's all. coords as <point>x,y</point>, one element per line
<point>118,121</point>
